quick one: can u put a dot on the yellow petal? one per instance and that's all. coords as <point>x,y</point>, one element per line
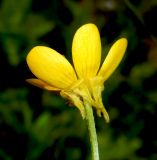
<point>51,67</point>
<point>113,58</point>
<point>41,84</point>
<point>86,51</point>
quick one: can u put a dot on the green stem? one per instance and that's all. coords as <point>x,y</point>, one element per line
<point>134,10</point>
<point>92,131</point>
<point>139,17</point>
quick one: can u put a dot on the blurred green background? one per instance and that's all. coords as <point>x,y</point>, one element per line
<point>39,125</point>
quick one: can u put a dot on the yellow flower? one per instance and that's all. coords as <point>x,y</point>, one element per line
<point>85,81</point>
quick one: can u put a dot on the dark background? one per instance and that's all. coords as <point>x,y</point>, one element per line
<point>39,125</point>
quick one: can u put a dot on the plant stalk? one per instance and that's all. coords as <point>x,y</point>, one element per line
<point>92,131</point>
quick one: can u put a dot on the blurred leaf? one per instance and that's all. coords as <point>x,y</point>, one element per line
<point>11,46</point>
<point>121,148</point>
<point>81,11</point>
<point>152,96</point>
<point>19,27</point>
<point>42,127</point>
<point>36,25</point>
<point>53,101</point>
<point>4,156</point>
<point>13,102</point>
<point>13,14</point>
<point>141,72</point>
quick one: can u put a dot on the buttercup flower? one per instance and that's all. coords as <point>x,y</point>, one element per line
<point>85,81</point>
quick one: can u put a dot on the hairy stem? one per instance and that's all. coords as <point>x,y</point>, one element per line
<point>92,131</point>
